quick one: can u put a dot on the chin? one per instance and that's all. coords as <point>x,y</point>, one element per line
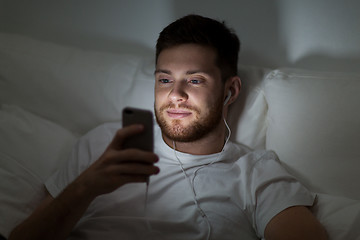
<point>190,128</point>
<point>185,131</point>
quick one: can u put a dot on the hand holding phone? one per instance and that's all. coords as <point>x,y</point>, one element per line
<point>144,140</point>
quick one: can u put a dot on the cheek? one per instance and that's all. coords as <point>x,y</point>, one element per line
<point>203,100</point>
<point>160,97</point>
<point>212,102</point>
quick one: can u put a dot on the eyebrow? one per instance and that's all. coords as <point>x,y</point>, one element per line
<point>162,71</point>
<point>187,73</point>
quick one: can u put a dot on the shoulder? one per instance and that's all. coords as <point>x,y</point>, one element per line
<point>263,168</point>
<point>91,145</point>
<point>103,133</point>
<point>250,159</point>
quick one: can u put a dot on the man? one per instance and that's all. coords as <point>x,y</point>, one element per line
<point>202,186</point>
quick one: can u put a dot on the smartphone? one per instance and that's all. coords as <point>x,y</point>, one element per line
<point>144,140</point>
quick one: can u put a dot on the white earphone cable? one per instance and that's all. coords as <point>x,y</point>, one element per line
<point>217,159</point>
<point>202,213</point>
<point>191,182</point>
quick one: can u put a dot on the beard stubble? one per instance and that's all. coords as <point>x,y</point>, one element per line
<point>197,129</point>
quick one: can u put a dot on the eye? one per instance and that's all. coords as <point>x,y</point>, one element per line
<point>164,80</point>
<point>195,81</point>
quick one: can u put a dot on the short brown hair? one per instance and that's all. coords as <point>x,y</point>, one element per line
<point>207,32</point>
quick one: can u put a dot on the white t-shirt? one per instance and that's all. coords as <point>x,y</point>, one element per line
<point>238,192</point>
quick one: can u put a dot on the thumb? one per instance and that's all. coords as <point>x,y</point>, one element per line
<point>124,133</point>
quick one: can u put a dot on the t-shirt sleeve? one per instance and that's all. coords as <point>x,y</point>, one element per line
<point>65,175</point>
<point>87,150</point>
<point>273,190</point>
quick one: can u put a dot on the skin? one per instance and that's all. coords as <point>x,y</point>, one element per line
<point>186,77</point>
<point>296,223</point>
<point>193,80</point>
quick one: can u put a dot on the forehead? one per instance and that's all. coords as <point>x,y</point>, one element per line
<point>188,57</point>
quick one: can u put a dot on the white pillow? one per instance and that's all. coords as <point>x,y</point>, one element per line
<point>72,87</point>
<point>247,115</point>
<point>141,93</point>
<point>37,144</point>
<point>314,126</point>
<point>31,148</point>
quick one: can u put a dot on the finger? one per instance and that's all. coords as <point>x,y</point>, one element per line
<point>131,155</point>
<point>133,169</point>
<point>133,179</point>
<point>124,133</point>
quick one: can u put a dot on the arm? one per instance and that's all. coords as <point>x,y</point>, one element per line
<point>295,223</point>
<point>55,218</point>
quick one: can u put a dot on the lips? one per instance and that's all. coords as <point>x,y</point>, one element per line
<point>178,113</point>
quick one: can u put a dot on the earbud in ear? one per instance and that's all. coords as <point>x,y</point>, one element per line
<point>227,97</point>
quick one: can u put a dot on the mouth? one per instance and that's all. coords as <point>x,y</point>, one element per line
<point>178,113</point>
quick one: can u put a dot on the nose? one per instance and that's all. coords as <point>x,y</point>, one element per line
<point>178,93</point>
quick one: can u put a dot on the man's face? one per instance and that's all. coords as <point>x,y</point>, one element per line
<point>188,92</point>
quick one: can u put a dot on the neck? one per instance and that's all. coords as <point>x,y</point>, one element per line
<point>209,144</point>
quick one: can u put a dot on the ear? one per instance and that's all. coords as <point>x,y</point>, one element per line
<point>234,85</point>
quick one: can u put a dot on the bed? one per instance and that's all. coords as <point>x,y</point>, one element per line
<point>51,94</point>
